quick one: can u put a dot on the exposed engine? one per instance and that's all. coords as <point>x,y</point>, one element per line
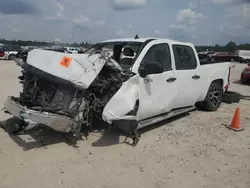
<point>45,92</point>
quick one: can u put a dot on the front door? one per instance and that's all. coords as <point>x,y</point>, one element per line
<point>157,91</point>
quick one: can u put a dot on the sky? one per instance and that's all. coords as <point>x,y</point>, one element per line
<point>202,22</point>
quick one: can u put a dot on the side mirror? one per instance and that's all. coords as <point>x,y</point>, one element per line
<point>150,68</point>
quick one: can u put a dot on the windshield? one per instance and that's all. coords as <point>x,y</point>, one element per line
<point>124,53</point>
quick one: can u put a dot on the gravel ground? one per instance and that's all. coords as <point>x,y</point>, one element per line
<point>191,152</point>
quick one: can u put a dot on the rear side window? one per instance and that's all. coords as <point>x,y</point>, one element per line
<point>184,57</point>
<point>159,53</point>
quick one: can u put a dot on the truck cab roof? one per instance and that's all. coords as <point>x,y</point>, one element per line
<point>169,41</point>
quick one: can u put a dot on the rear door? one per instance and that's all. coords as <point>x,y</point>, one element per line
<point>189,79</point>
<point>157,92</point>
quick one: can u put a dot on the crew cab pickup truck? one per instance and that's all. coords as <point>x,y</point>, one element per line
<point>68,92</point>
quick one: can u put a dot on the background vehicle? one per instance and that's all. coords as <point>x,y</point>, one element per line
<point>151,79</point>
<point>245,75</point>
<point>244,55</point>
<point>11,54</point>
<point>73,50</point>
<point>205,54</point>
<point>222,56</point>
<point>11,51</point>
<point>2,52</point>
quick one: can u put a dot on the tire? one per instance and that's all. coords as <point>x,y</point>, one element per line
<point>199,105</point>
<point>230,97</point>
<point>14,125</point>
<point>213,98</point>
<point>11,57</point>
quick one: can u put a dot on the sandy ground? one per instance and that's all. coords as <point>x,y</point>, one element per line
<point>191,152</point>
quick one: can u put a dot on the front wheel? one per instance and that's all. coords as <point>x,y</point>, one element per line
<point>213,98</point>
<point>14,125</point>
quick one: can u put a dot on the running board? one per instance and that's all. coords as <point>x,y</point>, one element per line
<point>150,121</point>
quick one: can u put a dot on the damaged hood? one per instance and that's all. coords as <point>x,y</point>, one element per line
<point>80,69</point>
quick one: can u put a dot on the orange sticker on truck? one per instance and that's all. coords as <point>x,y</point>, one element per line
<point>65,62</point>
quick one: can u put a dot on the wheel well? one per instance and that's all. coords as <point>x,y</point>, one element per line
<point>219,80</point>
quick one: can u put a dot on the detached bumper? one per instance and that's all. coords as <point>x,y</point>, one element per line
<point>34,118</point>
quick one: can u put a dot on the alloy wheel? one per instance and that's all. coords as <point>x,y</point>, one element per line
<point>214,95</point>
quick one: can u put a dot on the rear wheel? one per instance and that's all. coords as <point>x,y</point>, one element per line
<point>213,98</point>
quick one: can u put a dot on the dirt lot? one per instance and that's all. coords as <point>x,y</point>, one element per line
<point>189,152</point>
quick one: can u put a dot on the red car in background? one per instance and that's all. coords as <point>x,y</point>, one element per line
<point>2,52</point>
<point>245,75</point>
<point>222,56</point>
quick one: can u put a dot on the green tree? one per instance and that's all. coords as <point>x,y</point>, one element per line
<point>231,47</point>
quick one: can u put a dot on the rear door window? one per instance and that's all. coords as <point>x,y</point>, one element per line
<point>184,57</point>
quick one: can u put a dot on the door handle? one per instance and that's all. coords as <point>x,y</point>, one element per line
<point>171,79</point>
<point>196,77</point>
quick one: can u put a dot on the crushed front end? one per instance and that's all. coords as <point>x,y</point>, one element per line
<point>65,105</point>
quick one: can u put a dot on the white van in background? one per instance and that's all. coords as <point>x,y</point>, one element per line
<point>244,55</point>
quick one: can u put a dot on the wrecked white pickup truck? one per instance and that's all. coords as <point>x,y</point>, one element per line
<point>128,83</point>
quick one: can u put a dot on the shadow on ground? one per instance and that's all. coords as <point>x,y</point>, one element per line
<point>44,136</point>
<point>240,83</point>
<point>40,137</point>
